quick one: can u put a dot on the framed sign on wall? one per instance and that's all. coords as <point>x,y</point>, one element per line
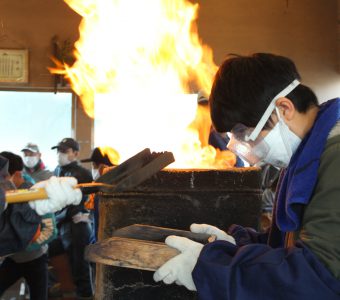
<point>14,65</point>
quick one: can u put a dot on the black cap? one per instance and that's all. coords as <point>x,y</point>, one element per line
<point>66,144</point>
<point>98,158</point>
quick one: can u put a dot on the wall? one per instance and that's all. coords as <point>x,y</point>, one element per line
<point>305,30</point>
<point>31,24</point>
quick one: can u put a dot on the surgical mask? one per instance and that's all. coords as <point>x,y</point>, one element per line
<point>282,143</point>
<point>95,173</point>
<point>30,161</point>
<point>63,159</point>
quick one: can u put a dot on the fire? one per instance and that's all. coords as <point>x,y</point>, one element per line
<point>139,65</point>
<point>111,153</point>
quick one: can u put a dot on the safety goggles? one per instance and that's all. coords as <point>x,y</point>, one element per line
<point>246,142</point>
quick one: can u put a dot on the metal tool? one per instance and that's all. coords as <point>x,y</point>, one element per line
<point>125,176</point>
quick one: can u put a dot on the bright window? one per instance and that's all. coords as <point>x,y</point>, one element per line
<point>43,118</point>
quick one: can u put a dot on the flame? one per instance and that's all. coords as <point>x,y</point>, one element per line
<point>137,64</point>
<point>111,153</point>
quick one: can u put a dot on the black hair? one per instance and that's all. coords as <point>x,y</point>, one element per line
<point>15,162</point>
<point>3,167</point>
<point>244,86</point>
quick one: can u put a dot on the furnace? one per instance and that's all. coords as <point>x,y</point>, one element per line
<point>175,199</point>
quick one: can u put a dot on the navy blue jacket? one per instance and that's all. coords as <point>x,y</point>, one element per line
<point>18,225</point>
<point>83,176</point>
<point>259,267</point>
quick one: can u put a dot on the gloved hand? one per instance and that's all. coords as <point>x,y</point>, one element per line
<point>209,229</point>
<point>81,217</point>
<point>179,268</point>
<point>60,193</point>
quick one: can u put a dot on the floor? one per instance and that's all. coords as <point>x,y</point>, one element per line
<point>59,264</point>
<point>15,292</point>
<point>19,292</point>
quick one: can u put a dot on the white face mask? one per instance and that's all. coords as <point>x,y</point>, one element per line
<point>31,161</point>
<point>282,144</point>
<point>276,148</point>
<point>95,174</point>
<point>63,159</point>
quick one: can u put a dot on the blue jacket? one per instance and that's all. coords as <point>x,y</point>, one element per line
<point>217,141</point>
<point>259,267</point>
<point>18,225</point>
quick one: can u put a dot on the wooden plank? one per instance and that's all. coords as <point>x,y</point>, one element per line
<point>115,174</point>
<point>159,234</point>
<point>130,253</point>
<point>158,161</point>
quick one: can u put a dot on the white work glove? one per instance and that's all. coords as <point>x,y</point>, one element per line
<point>179,268</point>
<point>212,230</point>
<point>81,217</point>
<point>60,193</point>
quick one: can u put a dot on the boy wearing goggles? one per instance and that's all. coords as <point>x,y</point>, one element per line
<point>272,118</point>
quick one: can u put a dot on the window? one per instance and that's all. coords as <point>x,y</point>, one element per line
<point>43,118</point>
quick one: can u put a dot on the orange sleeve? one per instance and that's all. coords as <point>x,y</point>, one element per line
<point>37,234</point>
<point>89,204</point>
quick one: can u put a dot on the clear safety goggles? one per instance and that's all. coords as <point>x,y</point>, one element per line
<point>247,143</point>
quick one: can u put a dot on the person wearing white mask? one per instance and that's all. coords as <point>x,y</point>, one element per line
<point>68,165</point>
<point>100,159</point>
<point>26,228</point>
<point>33,164</point>
<point>272,118</point>
<point>73,222</point>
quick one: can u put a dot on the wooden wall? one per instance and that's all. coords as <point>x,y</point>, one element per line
<point>31,24</point>
<point>304,30</point>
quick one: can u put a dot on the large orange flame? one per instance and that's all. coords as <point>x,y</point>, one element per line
<point>138,66</point>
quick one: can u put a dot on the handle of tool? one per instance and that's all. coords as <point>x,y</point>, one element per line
<point>25,195</point>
